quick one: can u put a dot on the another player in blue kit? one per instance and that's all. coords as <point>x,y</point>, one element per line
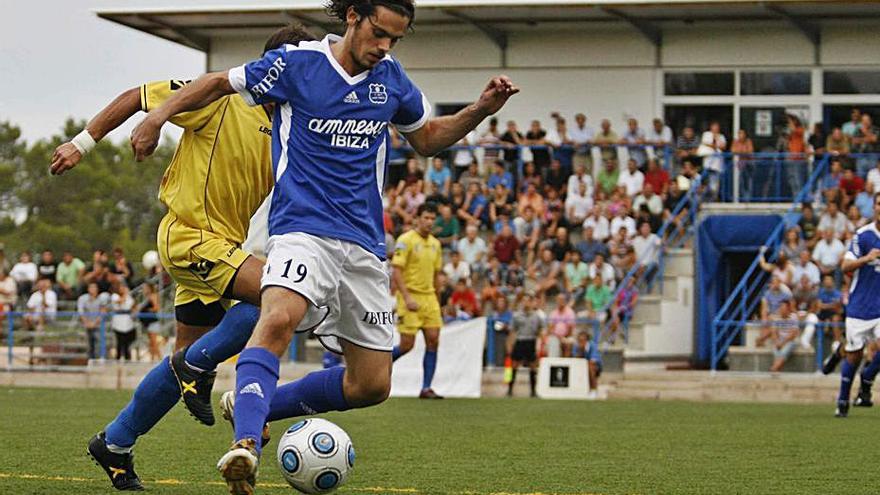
<point>862,312</point>
<point>334,101</point>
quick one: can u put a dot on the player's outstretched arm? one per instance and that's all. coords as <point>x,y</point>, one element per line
<point>198,94</point>
<point>850,264</point>
<point>69,154</point>
<point>442,132</point>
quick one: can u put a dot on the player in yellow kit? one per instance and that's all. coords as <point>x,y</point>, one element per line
<point>218,178</point>
<point>418,258</point>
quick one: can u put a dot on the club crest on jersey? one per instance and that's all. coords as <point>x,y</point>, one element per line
<point>378,94</point>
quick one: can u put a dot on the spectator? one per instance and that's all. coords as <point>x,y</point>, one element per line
<point>872,182</point>
<point>804,295</point>
<point>589,246</point>
<point>147,314</point>
<point>472,174</point>
<point>444,291</point>
<point>25,275</point>
<point>607,178</point>
<point>631,180</point>
<point>623,309</point>
<point>440,175</point>
<point>502,218</point>
<point>122,322</point>
<point>536,138</point>
<point>456,269</point>
<point>687,176</point>
<point>712,144</point>
<point>542,276</point>
<point>647,247</point>
<point>806,269</point>
<point>446,227</point>
<point>864,202</point>
<point>463,157</point>
<point>830,308</point>
<point>607,141</point>
<point>525,328</point>
<point>560,329</point>
<point>559,245</point>
<point>634,138</point>
<point>809,225</point>
<point>783,330</point>
<point>687,145</point>
<point>598,297</point>
<point>776,294</point>
<point>598,225</point>
<point>657,177</point>
<point>578,204</point>
<point>854,214</point>
<point>530,177</point>
<point>835,221</point>
<point>433,195</point>
<point>8,294</point>
<point>69,275</point>
<point>864,140</point>
<point>528,228</point>
<point>624,221</point>
<point>491,141</point>
<point>505,247</point>
<point>414,175</point>
<point>464,300</point>
<point>4,262</point>
<point>580,176</point>
<point>677,221</point>
<point>501,176</point>
<point>556,221</point>
<point>511,140</point>
<point>577,274</point>
<point>458,196</point>
<point>855,121</point>
<point>837,143</point>
<point>586,348</point>
<point>582,135</point>
<point>473,249</point>
<point>475,208</point>
<point>850,186</point>
<point>47,267</point>
<point>742,145</point>
<point>831,182</point>
<point>556,179</point>
<point>90,307</point>
<point>562,144</point>
<point>817,140</point>
<point>408,202</point>
<point>489,299</point>
<point>649,199</point>
<point>100,274</point>
<point>514,277</point>
<point>42,306</point>
<point>602,270</point>
<point>792,246</point>
<point>531,198</point>
<point>659,136</point>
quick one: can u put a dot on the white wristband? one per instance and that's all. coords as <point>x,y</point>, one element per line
<point>83,142</point>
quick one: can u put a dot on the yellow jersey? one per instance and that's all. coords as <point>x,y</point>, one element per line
<point>419,258</point>
<point>222,169</point>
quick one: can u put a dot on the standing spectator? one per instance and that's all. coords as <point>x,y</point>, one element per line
<point>796,147</point>
<point>505,247</point>
<point>500,176</point>
<point>69,275</point>
<point>473,249</point>
<point>446,227</point>
<point>536,138</point>
<point>472,174</point>
<point>631,180</point>
<point>42,306</point>
<point>743,148</point>
<point>464,300</point>
<point>8,294</point>
<point>512,139</point>
<point>456,269</point>
<point>817,140</point>
<point>687,176</point>
<point>855,120</point>
<point>687,145</point>
<point>90,307</point>
<point>607,140</point>
<point>589,247</point>
<point>25,275</point>
<point>783,330</point>
<point>623,309</point>
<point>577,274</point>
<point>542,276</point>
<point>607,178</point>
<point>147,314</point>
<point>47,267</point>
<point>582,135</point>
<point>491,141</point>
<point>837,143</point>
<point>634,138</point>
<point>864,140</point>
<point>560,325</point>
<point>712,144</point>
<point>562,144</point>
<point>587,349</point>
<point>578,204</point>
<point>742,145</point>
<point>121,267</point>
<point>440,175</point>
<point>657,177</point>
<point>122,322</point>
<point>525,327</point>
<point>463,157</point>
<point>828,253</point>
<point>660,137</point>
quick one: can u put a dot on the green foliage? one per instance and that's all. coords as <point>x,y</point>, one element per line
<point>107,200</point>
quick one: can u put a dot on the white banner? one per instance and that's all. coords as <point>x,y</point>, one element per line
<point>459,362</point>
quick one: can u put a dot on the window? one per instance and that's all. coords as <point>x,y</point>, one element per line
<point>698,83</point>
<point>852,82</point>
<point>774,83</point>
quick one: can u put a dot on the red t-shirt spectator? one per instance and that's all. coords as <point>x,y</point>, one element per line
<point>658,179</point>
<point>852,186</point>
<point>467,301</point>
<point>505,248</point>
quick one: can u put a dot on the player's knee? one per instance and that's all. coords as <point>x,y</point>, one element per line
<point>369,392</point>
<point>276,321</point>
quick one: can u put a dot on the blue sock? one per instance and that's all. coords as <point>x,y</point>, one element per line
<point>255,381</point>
<point>429,364</point>
<point>869,372</point>
<point>317,392</point>
<point>226,340</point>
<point>157,393</point>
<point>847,372</point>
<point>395,353</point>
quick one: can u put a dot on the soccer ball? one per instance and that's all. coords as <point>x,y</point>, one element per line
<point>315,456</point>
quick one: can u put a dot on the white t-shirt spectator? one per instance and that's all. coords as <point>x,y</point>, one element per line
<point>623,222</point>
<point>600,226</point>
<point>24,272</point>
<point>471,251</point>
<point>711,160</point>
<point>655,204</point>
<point>810,270</point>
<point>828,253</point>
<point>456,273</point>
<point>581,136</point>
<point>665,135</point>
<point>838,223</point>
<point>43,303</point>
<point>647,249</point>
<point>463,158</point>
<point>574,183</point>
<point>606,272</point>
<point>633,182</point>
<point>8,293</point>
<point>122,320</point>
<point>874,180</point>
<point>579,205</point>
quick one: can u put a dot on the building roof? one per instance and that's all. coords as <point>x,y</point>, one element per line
<point>194,26</point>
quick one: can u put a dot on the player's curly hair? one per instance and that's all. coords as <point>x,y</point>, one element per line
<point>366,8</point>
<point>290,34</point>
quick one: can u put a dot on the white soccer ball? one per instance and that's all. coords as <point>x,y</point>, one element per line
<point>150,260</point>
<point>315,456</point>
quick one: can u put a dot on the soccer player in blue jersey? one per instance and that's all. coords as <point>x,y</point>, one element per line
<point>862,312</point>
<point>334,101</point>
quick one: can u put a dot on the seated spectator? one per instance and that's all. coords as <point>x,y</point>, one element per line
<point>657,177</point>
<point>782,330</point>
<point>500,200</point>
<point>25,275</point>
<point>456,269</point>
<point>774,296</point>
<point>47,267</point>
<point>829,308</point>
<point>805,268</point>
<point>604,271</point>
<point>577,274</point>
<point>542,276</point>
<point>446,227</point>
<point>122,322</point>
<point>409,202</point>
<point>99,272</point>
<point>830,183</point>
<point>528,228</point>
<point>555,178</point>
<point>90,307</point>
<point>624,221</point>
<point>632,180</point>
<point>503,218</point>
<point>560,244</point>
<point>414,175</point>
<point>809,225</point>
<point>530,177</point>
<point>598,296</point>
<point>505,247</point>
<point>560,325</point>
<point>444,290</point>
<point>501,176</point>
<point>556,221</point>
<point>850,186</point>
<point>648,198</point>
<point>865,203</point>
<point>623,308</point>
<point>623,254</point>
<point>644,215</point>
<point>872,181</point>
<point>465,301</point>
<point>793,245</point>
<point>472,174</point>
<point>673,197</point>
<point>589,247</point>
<point>647,247</point>
<point>580,177</point>
<point>687,176</point>
<point>608,177</point>
<point>69,275</point>
<point>552,202</point>
<point>854,215</point>
<point>525,328</point>
<point>617,203</point>
<point>781,268</point>
<point>514,280</point>
<point>833,219</point>
<point>828,253</point>
<point>8,294</point>
<point>598,225</point>
<point>533,199</point>
<point>803,295</point>
<point>473,249</point>
<point>457,198</point>
<point>440,175</point>
<point>586,348</point>
<point>837,143</point>
<point>42,306</point>
<point>578,205</point>
<point>489,296</point>
<point>433,195</point>
<point>475,207</point>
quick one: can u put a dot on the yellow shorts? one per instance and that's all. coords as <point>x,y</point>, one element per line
<point>427,316</point>
<point>201,262</point>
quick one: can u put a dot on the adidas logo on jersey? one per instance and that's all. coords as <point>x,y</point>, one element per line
<point>252,388</point>
<point>351,98</point>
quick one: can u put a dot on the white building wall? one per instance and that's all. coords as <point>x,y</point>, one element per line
<point>851,45</point>
<point>757,44</point>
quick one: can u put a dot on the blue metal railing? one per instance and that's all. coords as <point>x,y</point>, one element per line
<point>823,330</point>
<point>743,300</point>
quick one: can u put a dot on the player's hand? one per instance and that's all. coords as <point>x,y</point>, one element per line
<point>145,138</point>
<point>411,305</point>
<point>496,94</point>
<point>65,158</point>
<point>874,254</point>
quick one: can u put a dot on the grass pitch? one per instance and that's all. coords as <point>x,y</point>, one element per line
<point>473,447</point>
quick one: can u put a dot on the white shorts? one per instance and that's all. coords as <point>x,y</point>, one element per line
<point>347,286</point>
<point>860,332</point>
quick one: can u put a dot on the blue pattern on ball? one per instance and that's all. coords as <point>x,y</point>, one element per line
<point>350,456</point>
<point>327,480</point>
<point>323,443</point>
<point>298,426</point>
<point>290,461</point>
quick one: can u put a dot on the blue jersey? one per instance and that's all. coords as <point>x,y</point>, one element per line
<point>864,298</point>
<point>329,138</point>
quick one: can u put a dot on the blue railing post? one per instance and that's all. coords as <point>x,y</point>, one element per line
<point>103,337</point>
<point>820,344</point>
<point>10,340</point>
<point>490,342</point>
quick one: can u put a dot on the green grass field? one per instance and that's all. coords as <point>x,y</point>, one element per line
<point>488,446</point>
